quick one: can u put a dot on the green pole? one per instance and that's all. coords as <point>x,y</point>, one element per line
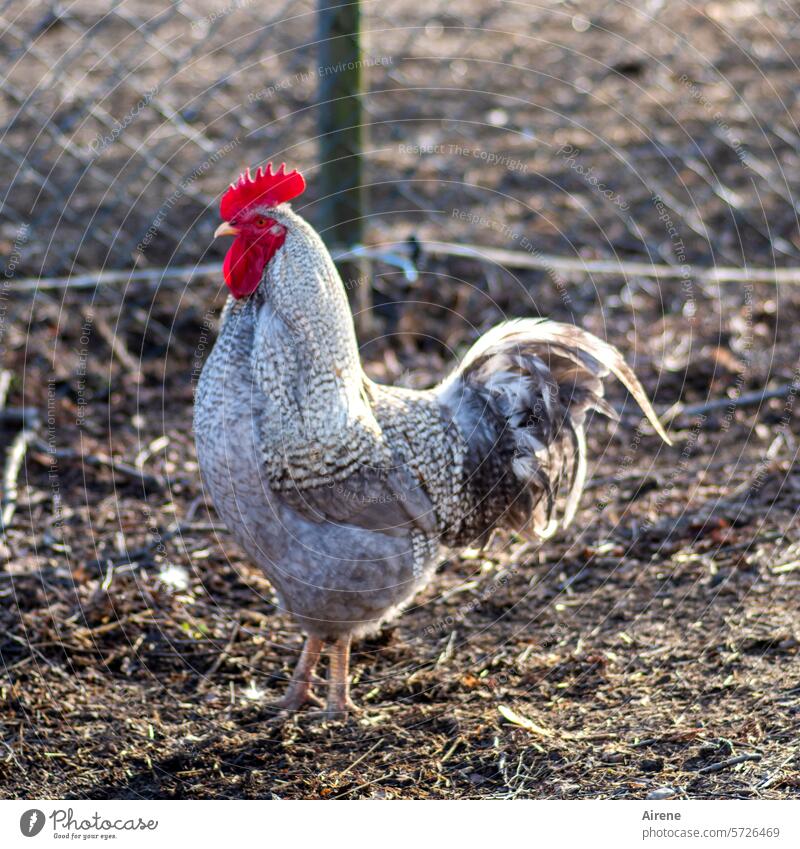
<point>341,142</point>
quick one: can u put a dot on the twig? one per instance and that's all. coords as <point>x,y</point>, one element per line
<point>5,385</point>
<point>14,455</point>
<point>20,417</point>
<point>137,618</point>
<point>364,785</point>
<point>500,256</point>
<point>99,461</point>
<point>34,650</point>
<point>101,278</point>
<point>358,760</point>
<point>634,477</point>
<point>748,399</point>
<point>117,345</point>
<point>204,682</point>
<point>158,539</point>
<point>522,259</point>
<point>743,546</point>
<point>14,459</point>
<point>776,774</point>
<point>13,755</point>
<point>720,765</point>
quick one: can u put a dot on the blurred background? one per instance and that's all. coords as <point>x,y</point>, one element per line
<point>114,113</point>
<point>629,167</point>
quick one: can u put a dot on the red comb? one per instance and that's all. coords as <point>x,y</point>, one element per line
<point>265,188</point>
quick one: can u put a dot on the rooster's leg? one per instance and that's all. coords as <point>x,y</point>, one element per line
<point>299,691</point>
<point>339,702</point>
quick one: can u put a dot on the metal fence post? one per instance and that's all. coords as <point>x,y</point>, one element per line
<point>341,143</point>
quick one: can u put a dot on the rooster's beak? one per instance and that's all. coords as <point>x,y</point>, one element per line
<point>225,229</point>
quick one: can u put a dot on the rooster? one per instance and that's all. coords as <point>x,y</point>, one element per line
<point>344,491</point>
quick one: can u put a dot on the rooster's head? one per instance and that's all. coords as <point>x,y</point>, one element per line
<point>245,209</point>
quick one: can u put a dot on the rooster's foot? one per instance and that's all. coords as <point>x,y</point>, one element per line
<point>297,696</point>
<point>341,709</point>
<point>300,690</point>
<point>340,705</point>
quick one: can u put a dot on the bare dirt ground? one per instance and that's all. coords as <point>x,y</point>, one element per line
<point>651,650</point>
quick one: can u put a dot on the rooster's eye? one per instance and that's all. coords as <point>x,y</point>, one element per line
<point>261,222</point>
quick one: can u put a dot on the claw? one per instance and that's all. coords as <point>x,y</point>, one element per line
<point>341,709</point>
<point>295,698</point>
<point>300,690</point>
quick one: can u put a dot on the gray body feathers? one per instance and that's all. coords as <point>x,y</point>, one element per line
<point>344,491</point>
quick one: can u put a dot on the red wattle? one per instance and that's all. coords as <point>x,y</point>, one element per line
<point>245,261</point>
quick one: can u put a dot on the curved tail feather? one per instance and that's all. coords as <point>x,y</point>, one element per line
<point>520,399</point>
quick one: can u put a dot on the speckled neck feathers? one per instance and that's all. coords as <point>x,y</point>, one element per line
<point>316,425</point>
